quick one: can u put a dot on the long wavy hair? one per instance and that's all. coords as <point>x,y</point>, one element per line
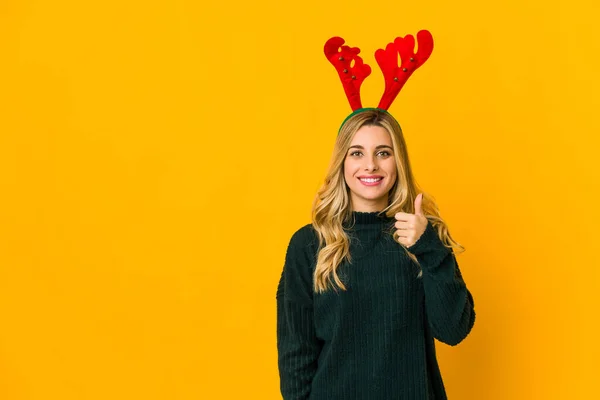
<point>332,210</point>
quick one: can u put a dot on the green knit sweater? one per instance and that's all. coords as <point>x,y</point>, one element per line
<point>374,341</point>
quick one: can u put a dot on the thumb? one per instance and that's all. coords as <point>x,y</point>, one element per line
<point>418,202</point>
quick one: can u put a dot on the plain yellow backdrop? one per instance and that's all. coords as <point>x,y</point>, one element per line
<point>156,157</point>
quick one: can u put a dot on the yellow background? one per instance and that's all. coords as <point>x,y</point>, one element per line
<point>156,157</point>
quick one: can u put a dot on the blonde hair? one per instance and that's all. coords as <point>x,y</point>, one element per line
<point>331,208</point>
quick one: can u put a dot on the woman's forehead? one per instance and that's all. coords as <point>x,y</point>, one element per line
<point>371,136</point>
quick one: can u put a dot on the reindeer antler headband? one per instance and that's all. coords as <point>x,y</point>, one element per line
<point>352,76</point>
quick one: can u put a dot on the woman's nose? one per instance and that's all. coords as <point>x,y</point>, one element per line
<point>371,165</point>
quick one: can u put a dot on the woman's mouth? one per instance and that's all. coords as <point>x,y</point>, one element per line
<point>370,181</point>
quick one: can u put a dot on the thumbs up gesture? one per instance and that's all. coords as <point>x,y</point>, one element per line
<point>410,227</point>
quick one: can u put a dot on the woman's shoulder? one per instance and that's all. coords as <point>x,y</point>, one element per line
<point>302,250</point>
<point>304,237</point>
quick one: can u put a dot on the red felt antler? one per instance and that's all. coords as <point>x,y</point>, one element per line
<point>351,76</point>
<point>396,76</point>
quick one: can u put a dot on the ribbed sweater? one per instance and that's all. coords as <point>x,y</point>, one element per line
<point>374,341</point>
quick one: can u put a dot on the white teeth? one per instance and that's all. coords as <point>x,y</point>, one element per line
<point>370,180</point>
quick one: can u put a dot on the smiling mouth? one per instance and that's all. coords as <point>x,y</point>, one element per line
<point>370,180</point>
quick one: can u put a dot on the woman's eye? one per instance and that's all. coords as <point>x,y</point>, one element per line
<point>355,153</point>
<point>384,153</point>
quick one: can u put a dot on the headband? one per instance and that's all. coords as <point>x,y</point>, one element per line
<point>352,71</point>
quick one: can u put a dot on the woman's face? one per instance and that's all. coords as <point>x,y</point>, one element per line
<point>370,169</point>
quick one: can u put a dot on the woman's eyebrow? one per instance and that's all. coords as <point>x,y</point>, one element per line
<point>381,146</point>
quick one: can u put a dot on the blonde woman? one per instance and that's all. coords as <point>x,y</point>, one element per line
<point>372,281</point>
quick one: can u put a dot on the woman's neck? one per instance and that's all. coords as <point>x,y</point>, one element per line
<point>368,206</point>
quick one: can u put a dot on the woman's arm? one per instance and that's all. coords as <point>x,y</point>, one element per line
<point>448,302</point>
<point>297,344</point>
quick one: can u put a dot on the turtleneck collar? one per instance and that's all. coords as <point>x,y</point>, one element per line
<point>369,218</point>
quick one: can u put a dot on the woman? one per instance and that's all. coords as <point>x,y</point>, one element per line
<point>369,284</point>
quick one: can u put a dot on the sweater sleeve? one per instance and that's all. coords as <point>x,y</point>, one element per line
<point>448,303</point>
<point>297,344</point>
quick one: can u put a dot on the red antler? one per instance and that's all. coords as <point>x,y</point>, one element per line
<point>352,77</point>
<point>396,77</point>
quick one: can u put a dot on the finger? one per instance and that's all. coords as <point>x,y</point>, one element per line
<point>404,242</point>
<point>402,234</point>
<point>406,217</point>
<point>405,224</point>
<point>402,216</point>
<point>402,225</point>
<point>400,240</point>
<point>418,202</point>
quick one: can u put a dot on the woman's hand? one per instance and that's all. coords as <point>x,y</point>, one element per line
<point>410,227</point>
